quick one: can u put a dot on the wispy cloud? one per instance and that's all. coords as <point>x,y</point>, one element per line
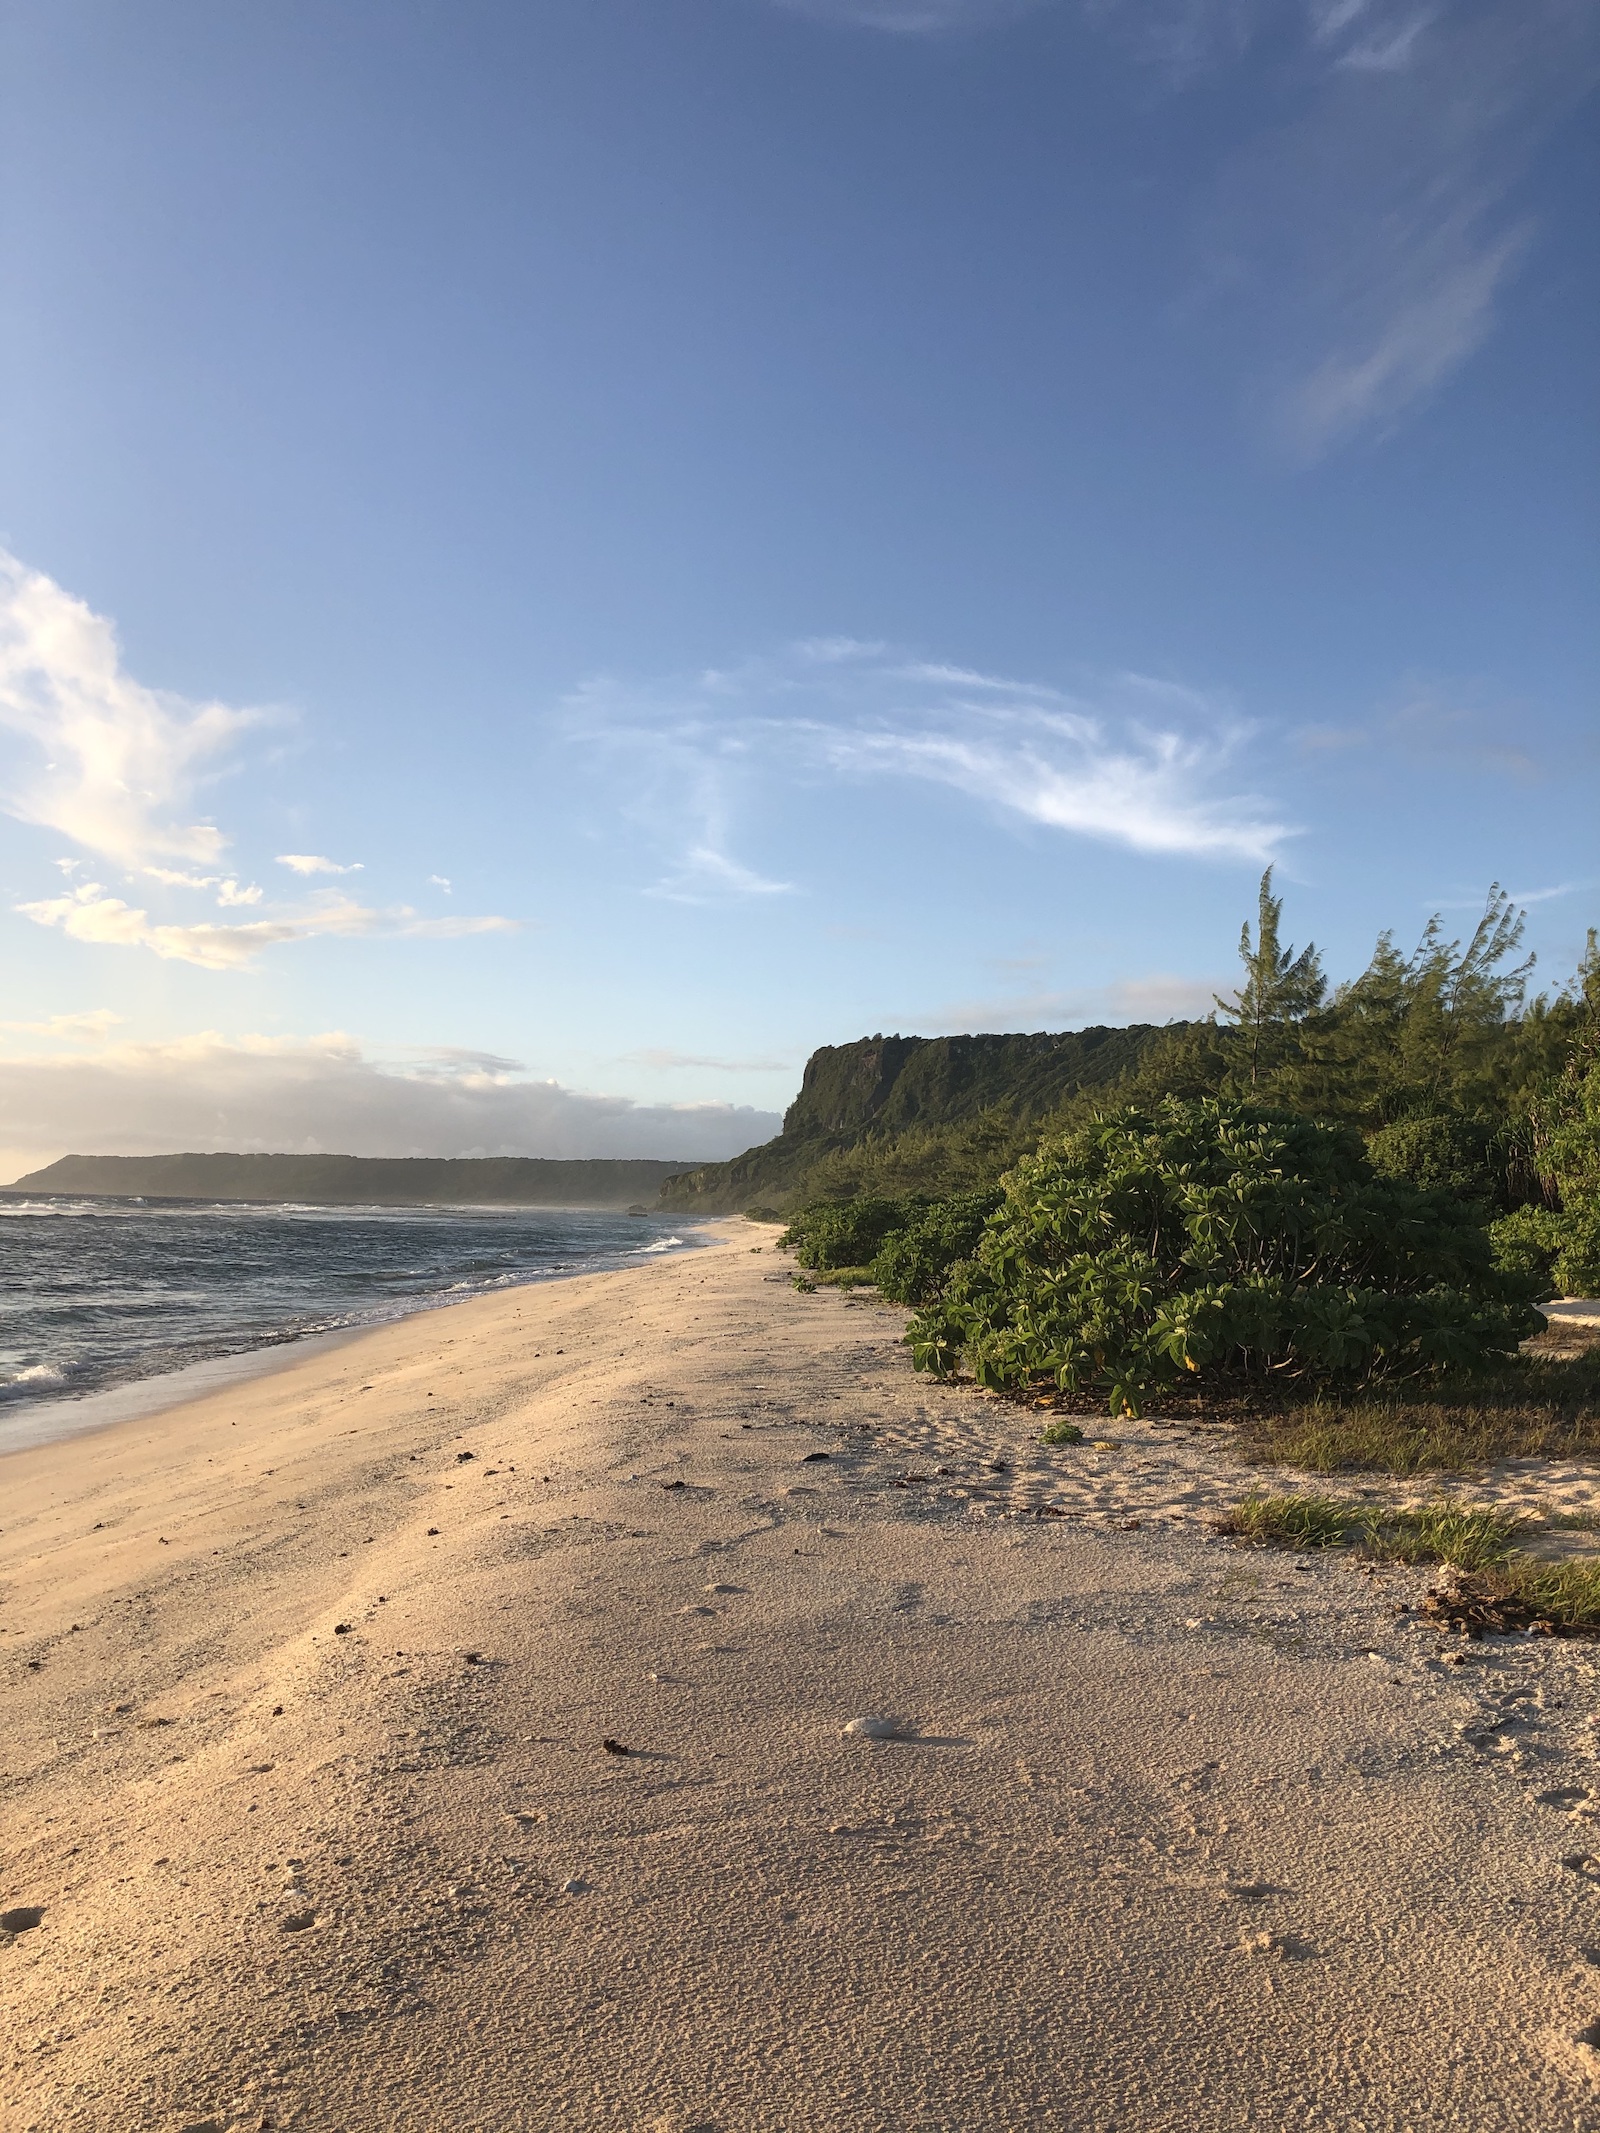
<point>1460,901</point>
<point>91,913</point>
<point>95,754</point>
<point>912,18</point>
<point>663,1061</point>
<point>706,875</point>
<point>314,863</point>
<point>1370,231</point>
<point>1453,727</point>
<point>325,1093</point>
<point>1136,761</point>
<point>1364,232</point>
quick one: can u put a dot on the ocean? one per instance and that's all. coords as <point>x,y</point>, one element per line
<point>101,1293</point>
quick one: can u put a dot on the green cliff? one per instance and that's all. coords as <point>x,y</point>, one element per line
<point>905,1093</point>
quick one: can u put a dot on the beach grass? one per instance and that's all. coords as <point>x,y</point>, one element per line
<point>1494,1583</point>
<point>1469,1537</point>
<point>1544,1404</point>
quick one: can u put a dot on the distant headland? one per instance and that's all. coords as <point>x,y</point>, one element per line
<point>359,1180</point>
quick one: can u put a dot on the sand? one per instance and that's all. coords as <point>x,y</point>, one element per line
<point>307,1684</point>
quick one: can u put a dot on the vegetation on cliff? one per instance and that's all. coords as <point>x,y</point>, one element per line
<point>888,1117</point>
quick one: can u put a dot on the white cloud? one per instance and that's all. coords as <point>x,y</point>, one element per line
<point>169,877</point>
<point>114,765</point>
<point>705,875</point>
<point>441,881</point>
<point>96,755</point>
<point>89,1027</point>
<point>1136,761</point>
<point>91,913</point>
<point>314,863</point>
<point>1542,896</point>
<point>323,1095</point>
<point>229,893</point>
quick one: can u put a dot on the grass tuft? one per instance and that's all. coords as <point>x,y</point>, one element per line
<point>1471,1539</point>
<point>1491,1586</point>
<point>1543,1405</point>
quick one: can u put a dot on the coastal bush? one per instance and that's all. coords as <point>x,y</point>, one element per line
<point>1557,1249</point>
<point>1560,1239</point>
<point>912,1264</point>
<point>1439,1152</point>
<point>844,1233</point>
<point>1206,1241</point>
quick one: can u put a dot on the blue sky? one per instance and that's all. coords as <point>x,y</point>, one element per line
<point>738,524</point>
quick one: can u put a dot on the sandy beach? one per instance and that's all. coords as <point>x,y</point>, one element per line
<point>447,1731</point>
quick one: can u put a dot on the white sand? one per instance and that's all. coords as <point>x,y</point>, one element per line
<point>1181,1836</point>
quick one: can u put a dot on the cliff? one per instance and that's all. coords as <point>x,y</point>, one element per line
<point>886,1087</point>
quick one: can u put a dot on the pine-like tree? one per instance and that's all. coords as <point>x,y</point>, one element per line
<point>1280,987</point>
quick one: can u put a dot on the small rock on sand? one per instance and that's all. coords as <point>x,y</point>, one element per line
<point>876,1728</point>
<point>21,1918</point>
<point>577,1886</point>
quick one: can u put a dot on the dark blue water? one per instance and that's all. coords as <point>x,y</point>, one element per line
<point>98,1292</point>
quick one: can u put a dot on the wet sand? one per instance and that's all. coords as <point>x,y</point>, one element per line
<point>308,1683</point>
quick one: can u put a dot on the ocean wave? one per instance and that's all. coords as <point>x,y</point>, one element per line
<point>98,1294</point>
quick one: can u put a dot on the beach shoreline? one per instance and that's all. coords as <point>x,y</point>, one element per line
<point>310,1683</point>
<point>34,1418</point>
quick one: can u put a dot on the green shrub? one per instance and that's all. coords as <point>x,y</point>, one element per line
<point>1214,1241</point>
<point>1440,1151</point>
<point>1559,1252</point>
<point>914,1261</point>
<point>842,1233</point>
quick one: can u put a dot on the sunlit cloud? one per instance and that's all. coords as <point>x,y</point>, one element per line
<point>89,1027</point>
<point>94,754</point>
<point>325,1094</point>
<point>314,863</point>
<point>115,766</point>
<point>92,914</point>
